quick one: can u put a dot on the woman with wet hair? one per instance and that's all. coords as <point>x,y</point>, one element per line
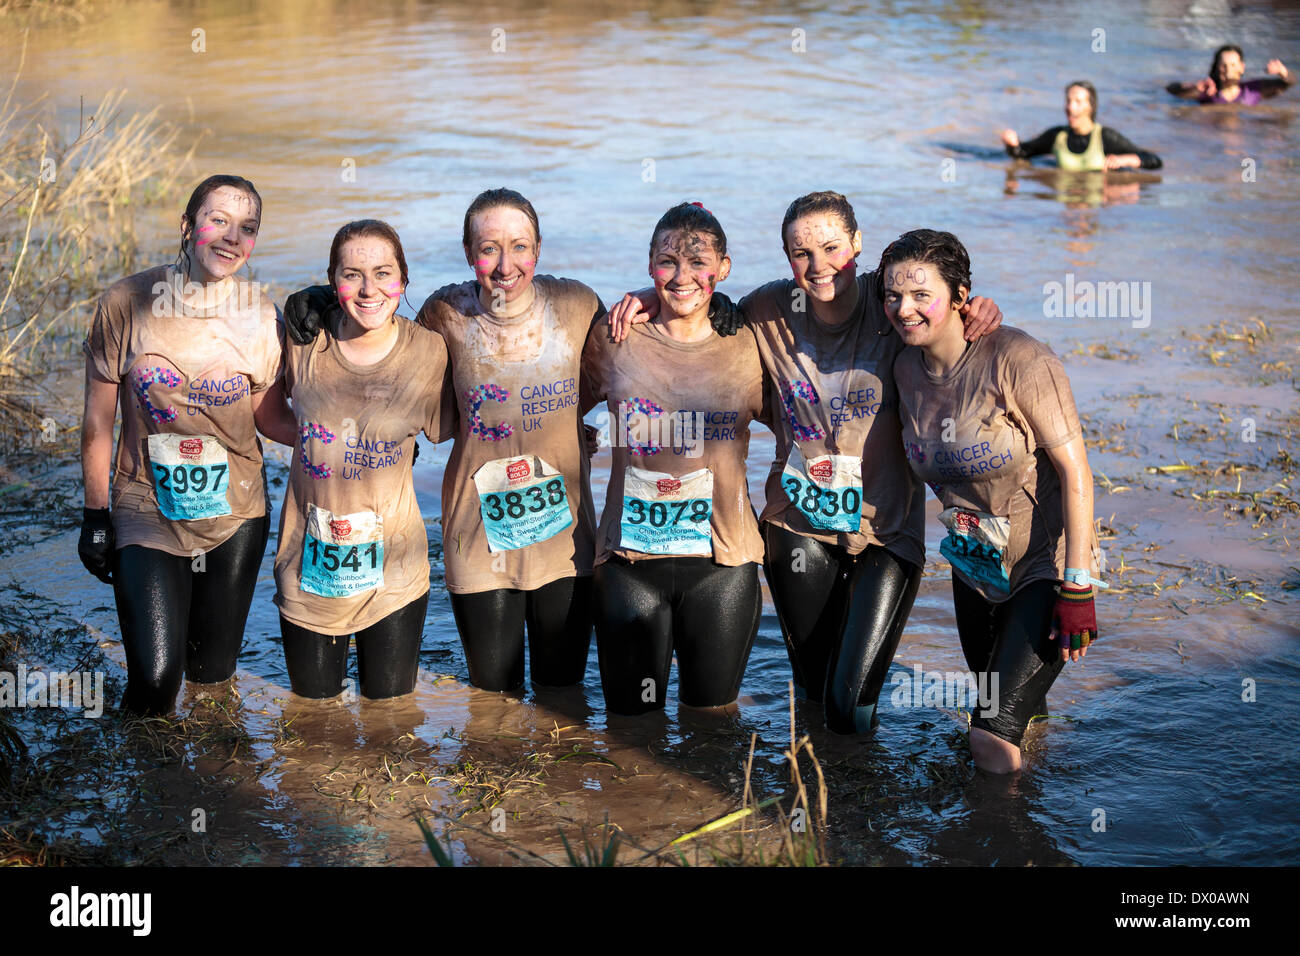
<point>991,426</point>
<point>843,521</point>
<point>517,519</point>
<point>188,351</point>
<point>1224,84</point>
<point>353,555</point>
<point>678,548</point>
<point>1083,145</point>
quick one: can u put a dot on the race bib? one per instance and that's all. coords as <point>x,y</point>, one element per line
<point>342,555</point>
<point>826,490</point>
<point>522,501</point>
<point>190,476</point>
<point>663,514</point>
<point>976,546</point>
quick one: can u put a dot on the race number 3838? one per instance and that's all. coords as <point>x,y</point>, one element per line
<point>522,500</point>
<point>342,555</point>
<point>190,476</point>
<point>826,490</point>
<point>976,546</point>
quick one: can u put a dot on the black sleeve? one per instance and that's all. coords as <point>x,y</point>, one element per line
<point>1040,144</point>
<point>1113,142</point>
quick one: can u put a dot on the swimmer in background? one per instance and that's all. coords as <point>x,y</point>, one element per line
<point>1083,145</point>
<point>1225,85</point>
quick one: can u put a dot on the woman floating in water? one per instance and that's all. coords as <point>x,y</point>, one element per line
<point>1083,145</point>
<point>1224,84</point>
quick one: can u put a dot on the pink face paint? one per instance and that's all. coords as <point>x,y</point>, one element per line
<point>394,290</point>
<point>851,264</point>
<point>346,292</point>
<point>929,313</point>
<point>663,275</point>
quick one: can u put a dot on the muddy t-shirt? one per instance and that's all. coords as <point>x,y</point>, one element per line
<point>353,548</point>
<point>678,420</point>
<point>978,436</point>
<point>188,470</point>
<point>840,475</point>
<point>516,495</point>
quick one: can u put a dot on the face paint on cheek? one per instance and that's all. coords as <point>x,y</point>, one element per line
<point>346,292</point>
<point>393,291</point>
<point>929,313</point>
<point>850,264</point>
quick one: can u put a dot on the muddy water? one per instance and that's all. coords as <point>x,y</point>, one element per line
<point>607,118</point>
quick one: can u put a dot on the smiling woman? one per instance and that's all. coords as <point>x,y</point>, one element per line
<point>991,426</point>
<point>678,547</point>
<point>197,350</point>
<point>353,557</point>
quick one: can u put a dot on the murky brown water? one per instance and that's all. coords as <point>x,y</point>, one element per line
<point>898,107</point>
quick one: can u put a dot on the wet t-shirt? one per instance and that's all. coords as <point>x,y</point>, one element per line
<point>978,436</point>
<point>353,547</point>
<point>835,408</point>
<point>188,470</point>
<point>678,415</point>
<point>516,496</point>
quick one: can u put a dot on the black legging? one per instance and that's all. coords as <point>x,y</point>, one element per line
<point>388,655</point>
<point>558,618</point>
<point>1014,640</point>
<point>842,617</point>
<point>178,621</point>
<point>645,611</point>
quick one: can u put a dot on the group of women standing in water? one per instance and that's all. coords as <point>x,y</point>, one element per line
<point>873,383</point>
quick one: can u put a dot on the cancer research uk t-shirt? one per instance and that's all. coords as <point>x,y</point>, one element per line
<point>835,415</point>
<point>516,496</point>
<point>188,470</point>
<point>679,417</point>
<point>978,436</point>
<point>352,547</point>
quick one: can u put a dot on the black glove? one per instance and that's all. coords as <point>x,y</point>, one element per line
<point>724,315</point>
<point>96,545</point>
<point>305,311</point>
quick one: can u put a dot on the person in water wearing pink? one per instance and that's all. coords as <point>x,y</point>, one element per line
<point>1225,84</point>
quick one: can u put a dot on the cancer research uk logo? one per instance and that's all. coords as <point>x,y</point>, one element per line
<point>1085,299</point>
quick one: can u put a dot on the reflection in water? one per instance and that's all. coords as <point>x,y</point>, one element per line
<point>1081,190</point>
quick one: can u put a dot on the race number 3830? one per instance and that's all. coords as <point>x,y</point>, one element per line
<point>827,491</point>
<point>190,476</point>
